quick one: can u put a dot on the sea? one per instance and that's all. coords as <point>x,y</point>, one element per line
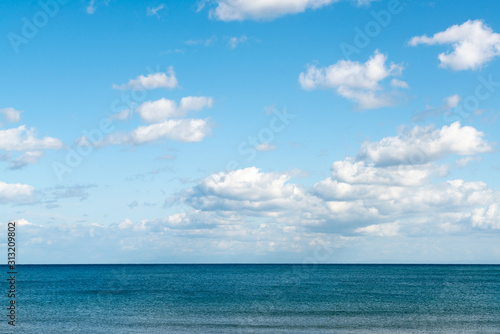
<point>261,298</point>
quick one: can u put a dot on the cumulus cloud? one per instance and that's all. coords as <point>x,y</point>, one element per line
<point>183,130</point>
<point>12,193</point>
<point>24,139</point>
<point>423,144</point>
<point>487,217</point>
<point>239,10</point>
<point>11,115</point>
<point>360,82</point>
<point>474,44</point>
<point>151,81</point>
<point>162,109</point>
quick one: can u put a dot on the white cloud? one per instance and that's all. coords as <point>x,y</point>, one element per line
<point>167,123</point>
<point>452,101</point>
<point>162,109</point>
<point>239,10</point>
<point>252,192</point>
<point>11,115</point>
<point>182,130</point>
<point>235,41</point>
<point>122,115</point>
<point>153,11</point>
<point>11,193</point>
<point>151,81</point>
<point>423,144</point>
<point>91,7</point>
<point>23,139</point>
<point>249,183</point>
<point>474,44</point>
<point>207,42</point>
<point>382,230</point>
<point>360,82</point>
<point>25,159</point>
<point>265,147</point>
<point>399,83</point>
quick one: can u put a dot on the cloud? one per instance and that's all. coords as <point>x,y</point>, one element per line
<point>360,82</point>
<point>133,204</point>
<point>399,83</point>
<point>265,147</point>
<point>25,159</point>
<point>487,217</point>
<point>423,144</point>
<point>382,230</point>
<point>91,7</point>
<point>248,191</point>
<point>11,115</point>
<point>239,10</point>
<point>153,11</point>
<point>452,101</point>
<point>474,44</point>
<point>74,191</point>
<point>182,130</point>
<point>235,41</point>
<point>449,103</point>
<point>14,193</point>
<point>207,42</point>
<point>151,81</point>
<point>167,123</point>
<point>23,139</point>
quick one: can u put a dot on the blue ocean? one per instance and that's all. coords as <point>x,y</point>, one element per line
<point>256,299</point>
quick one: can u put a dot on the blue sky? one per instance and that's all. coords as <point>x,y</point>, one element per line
<point>243,131</point>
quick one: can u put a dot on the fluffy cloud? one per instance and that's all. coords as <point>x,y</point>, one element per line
<point>162,109</point>
<point>183,130</point>
<point>24,139</point>
<point>360,82</point>
<point>12,193</point>
<point>11,115</point>
<point>373,194</point>
<point>166,118</point>
<point>151,81</point>
<point>425,143</point>
<point>474,44</point>
<point>487,217</point>
<point>239,10</point>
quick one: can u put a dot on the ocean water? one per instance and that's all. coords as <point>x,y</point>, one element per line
<point>256,299</point>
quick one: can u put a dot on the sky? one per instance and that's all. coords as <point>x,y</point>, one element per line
<point>277,131</point>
